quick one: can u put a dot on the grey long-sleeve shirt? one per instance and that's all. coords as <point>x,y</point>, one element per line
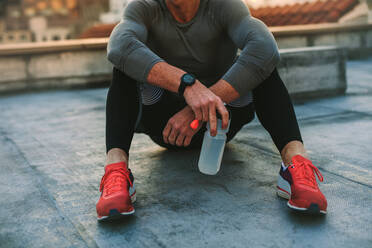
<point>206,46</point>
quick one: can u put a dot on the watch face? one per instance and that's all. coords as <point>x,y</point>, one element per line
<point>188,79</point>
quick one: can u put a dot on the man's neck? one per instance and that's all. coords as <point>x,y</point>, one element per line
<point>183,10</point>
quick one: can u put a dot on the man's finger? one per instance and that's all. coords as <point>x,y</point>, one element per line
<point>172,136</point>
<point>187,141</point>
<point>205,109</point>
<point>213,121</point>
<point>224,114</point>
<point>166,132</point>
<point>180,139</point>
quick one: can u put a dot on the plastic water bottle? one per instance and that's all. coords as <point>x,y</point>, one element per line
<point>212,150</point>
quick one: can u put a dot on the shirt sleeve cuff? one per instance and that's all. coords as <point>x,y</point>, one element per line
<point>139,63</point>
<point>243,78</point>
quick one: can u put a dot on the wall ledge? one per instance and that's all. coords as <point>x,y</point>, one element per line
<point>52,46</point>
<point>318,28</point>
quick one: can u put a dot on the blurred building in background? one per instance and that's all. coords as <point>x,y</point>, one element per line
<point>108,20</point>
<point>13,24</point>
<point>272,12</point>
<point>300,12</point>
<point>45,20</point>
<point>115,12</point>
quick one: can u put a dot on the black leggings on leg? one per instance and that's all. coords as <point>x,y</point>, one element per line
<point>271,101</point>
<point>275,111</point>
<point>122,108</point>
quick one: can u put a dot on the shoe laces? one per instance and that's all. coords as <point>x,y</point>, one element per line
<point>114,179</point>
<point>304,173</point>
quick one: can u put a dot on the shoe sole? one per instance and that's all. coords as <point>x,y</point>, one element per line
<point>312,209</point>
<point>114,214</point>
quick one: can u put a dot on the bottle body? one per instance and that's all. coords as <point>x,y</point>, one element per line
<point>211,154</point>
<point>212,151</point>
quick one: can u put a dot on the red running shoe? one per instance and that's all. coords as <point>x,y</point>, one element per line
<point>298,184</point>
<point>117,192</point>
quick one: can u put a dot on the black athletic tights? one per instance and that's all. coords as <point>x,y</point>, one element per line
<point>271,103</point>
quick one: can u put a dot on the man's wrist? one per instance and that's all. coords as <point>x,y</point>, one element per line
<point>187,90</point>
<point>187,111</point>
<point>190,88</point>
<point>188,108</point>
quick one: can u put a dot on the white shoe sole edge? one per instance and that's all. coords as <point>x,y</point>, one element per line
<point>282,194</point>
<point>283,188</point>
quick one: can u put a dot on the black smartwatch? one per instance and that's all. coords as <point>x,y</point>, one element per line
<point>186,80</point>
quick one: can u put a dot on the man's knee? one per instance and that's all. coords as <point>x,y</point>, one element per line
<point>240,117</point>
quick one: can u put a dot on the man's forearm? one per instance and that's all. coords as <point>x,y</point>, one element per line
<point>168,77</point>
<point>165,76</point>
<point>225,91</point>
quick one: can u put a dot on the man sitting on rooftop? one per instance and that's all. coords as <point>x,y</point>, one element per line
<point>176,61</point>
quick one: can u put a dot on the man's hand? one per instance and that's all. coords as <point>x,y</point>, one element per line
<point>178,131</point>
<point>204,104</point>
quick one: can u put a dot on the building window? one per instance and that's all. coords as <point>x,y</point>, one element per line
<point>1,38</point>
<point>23,37</point>
<point>56,37</point>
<point>10,37</point>
<point>45,38</point>
<point>15,13</point>
<point>68,37</point>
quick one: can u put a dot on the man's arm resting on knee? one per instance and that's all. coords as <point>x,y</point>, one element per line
<point>127,49</point>
<point>169,77</point>
<point>259,51</point>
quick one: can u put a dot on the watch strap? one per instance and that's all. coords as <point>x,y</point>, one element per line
<point>182,88</point>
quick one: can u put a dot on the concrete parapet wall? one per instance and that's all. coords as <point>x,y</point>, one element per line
<point>313,71</point>
<point>307,72</point>
<point>54,65</point>
<point>356,39</point>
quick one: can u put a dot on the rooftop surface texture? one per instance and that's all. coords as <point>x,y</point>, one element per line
<point>52,156</point>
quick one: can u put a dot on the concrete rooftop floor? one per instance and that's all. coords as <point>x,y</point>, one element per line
<point>52,157</point>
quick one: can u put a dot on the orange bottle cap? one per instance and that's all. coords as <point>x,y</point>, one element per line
<point>194,124</point>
